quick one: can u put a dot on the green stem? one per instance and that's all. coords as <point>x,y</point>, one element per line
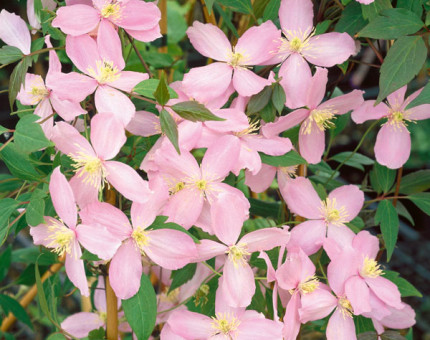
<point>211,268</point>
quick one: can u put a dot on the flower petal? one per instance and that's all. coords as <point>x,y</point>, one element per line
<point>62,198</point>
<point>239,284</point>
<point>393,146</point>
<point>107,135</point>
<point>309,236</point>
<point>75,269</point>
<point>350,197</point>
<point>311,144</point>
<point>108,99</point>
<point>109,44</point>
<point>285,123</point>
<point>81,324</point>
<point>247,83</point>
<point>76,19</point>
<point>265,239</point>
<point>14,31</point>
<point>296,15</point>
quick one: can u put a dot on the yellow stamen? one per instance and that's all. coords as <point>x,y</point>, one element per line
<point>105,72</point>
<point>237,254</point>
<point>399,119</point>
<point>91,168</point>
<point>295,41</point>
<point>332,213</point>
<point>140,236</point>
<point>201,184</point>
<point>38,93</point>
<point>309,285</point>
<point>225,323</point>
<point>289,170</point>
<point>112,11</point>
<point>345,307</point>
<point>252,129</point>
<point>61,239</point>
<point>177,187</point>
<point>201,296</point>
<point>237,59</point>
<point>322,119</point>
<point>370,268</point>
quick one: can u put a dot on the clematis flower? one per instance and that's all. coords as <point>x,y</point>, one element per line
<point>93,164</point>
<point>253,48</point>
<point>393,142</point>
<point>14,31</point>
<point>326,217</point>
<point>316,117</point>
<point>32,19</point>
<point>169,248</point>
<point>301,44</point>
<point>103,64</point>
<point>238,284</point>
<point>262,180</point>
<point>138,18</point>
<point>64,236</point>
<point>228,323</point>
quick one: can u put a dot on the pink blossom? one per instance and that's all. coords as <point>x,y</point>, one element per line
<point>14,31</point>
<point>138,18</point>
<point>93,164</point>
<point>64,236</point>
<point>326,217</point>
<point>393,142</point>
<point>316,117</point>
<point>262,180</point>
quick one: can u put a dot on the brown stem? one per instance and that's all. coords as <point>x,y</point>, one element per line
<point>209,18</point>
<point>145,65</point>
<point>381,59</point>
<point>399,180</point>
<point>111,311</point>
<point>162,4</point>
<point>364,63</point>
<point>145,99</point>
<point>6,143</point>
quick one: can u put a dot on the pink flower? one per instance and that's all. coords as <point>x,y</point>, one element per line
<point>93,164</point>
<point>238,284</point>
<point>14,31</point>
<point>138,18</point>
<point>301,43</point>
<point>32,19</point>
<point>64,236</point>
<point>316,117</point>
<point>253,48</point>
<point>325,216</point>
<point>393,142</point>
<point>102,61</point>
<point>170,249</point>
<point>262,180</point>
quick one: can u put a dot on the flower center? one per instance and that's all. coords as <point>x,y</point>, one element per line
<point>398,119</point>
<point>295,41</point>
<point>322,119</point>
<point>201,184</point>
<point>370,268</point>
<point>332,213</point>
<point>112,10</point>
<point>237,254</point>
<point>38,93</point>
<point>225,323</point>
<point>61,238</point>
<point>140,236</point>
<point>345,307</point>
<point>237,59</point>
<point>178,187</point>
<point>289,170</point>
<point>105,72</point>
<point>89,167</point>
<point>296,45</point>
<point>309,285</point>
<point>252,129</point>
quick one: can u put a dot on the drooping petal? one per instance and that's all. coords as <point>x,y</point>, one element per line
<point>127,181</point>
<point>393,146</point>
<point>26,96</point>
<point>109,44</point>
<point>144,124</point>
<point>184,207</point>
<point>341,269</point>
<point>14,31</point>
<point>397,98</point>
<point>265,239</point>
<point>262,180</point>
<point>285,123</point>
<point>420,112</point>
<point>312,144</point>
<point>366,244</point>
<point>367,111</point>
<point>62,198</point>
<point>297,269</point>
<point>309,236</point>
<point>108,99</point>
<point>98,240</point>
<point>400,318</point>
<point>340,327</point>
<point>147,35</point>
<point>185,323</point>
<point>77,19</point>
<point>350,197</point>
<point>67,109</point>
<point>247,83</point>
<point>107,135</point>
<point>75,269</point>
<point>72,86</point>
<point>317,86</point>
<point>209,41</point>
<point>291,318</point>
<point>84,194</point>
<point>357,293</point>
<point>317,304</point>
<point>126,266</point>
<point>239,284</point>
<point>296,15</point>
<point>259,328</point>
<point>386,290</point>
<point>41,234</point>
<point>81,324</point>
<point>83,51</point>
<point>345,103</point>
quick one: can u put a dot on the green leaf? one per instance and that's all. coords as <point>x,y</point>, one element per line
<point>209,5</point>
<point>17,78</point>
<point>415,182</point>
<point>86,255</point>
<point>278,98</point>
<point>147,88</point>
<point>183,275</point>
<point>289,159</point>
<point>259,100</point>
<point>403,62</point>
<point>386,216</point>
<point>227,19</point>
<point>32,254</point>
<point>7,207</point>
<point>11,305</point>
<point>176,23</point>
<point>382,178</point>
<point>394,23</point>
<point>19,163</point>
<point>41,293</point>
<point>141,309</point>
<point>423,97</point>
<point>356,224</point>
<point>356,161</point>
<point>97,334</point>
<point>158,60</point>
<point>402,211</point>
<point>161,94</point>
<point>258,7</point>
<point>268,113</point>
<point>9,54</point>
<point>422,201</point>
<point>264,208</point>
<point>368,336</point>
<point>159,223</point>
<point>363,324</point>
<point>194,111</point>
<point>392,335</point>
<point>5,261</point>
<point>59,336</point>
<point>322,27</point>
<point>29,135</point>
<point>351,20</point>
<point>412,5</point>
<point>405,287</point>
<point>271,10</point>
<point>38,6</point>
<point>169,128</point>
<point>35,211</point>
<point>372,10</point>
<point>241,6</point>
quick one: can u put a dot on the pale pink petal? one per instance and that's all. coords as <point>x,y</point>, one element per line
<point>340,327</point>
<point>108,99</point>
<point>339,239</point>
<point>366,244</point>
<point>316,89</point>
<point>302,199</point>
<point>311,144</point>
<point>296,269</point>
<point>126,266</point>
<point>420,112</point>
<point>170,249</point>
<point>76,19</point>
<point>67,109</point>
<point>62,198</point>
<point>146,35</point>
<point>259,328</point>
<point>248,159</point>
<point>14,31</point>
<point>178,166</point>
<point>368,111</point>
<point>291,318</point>
<point>317,304</point>
<point>329,49</point>
<point>296,15</point>
<point>127,181</point>
<point>75,269</point>
<point>262,180</point>
<point>69,141</point>
<point>128,80</point>
<point>144,124</point>
<point>247,83</point>
<point>208,249</point>
<point>185,323</point>
<point>107,135</point>
<point>343,104</point>
<point>285,123</point>
<point>275,146</point>
<point>184,207</point>
<point>83,51</point>
<point>271,273</point>
<point>44,110</point>
<point>357,293</point>
<point>72,86</point>
<point>265,239</point>
<point>168,334</point>
<point>393,146</point>
<point>84,194</point>
<point>400,318</point>
<point>258,44</point>
<point>209,41</point>
<point>98,240</point>
<point>41,233</point>
<point>309,236</point>
<point>138,15</point>
<point>349,197</point>
<point>296,77</point>
<point>235,120</point>
<point>341,269</point>
<point>386,290</point>
<point>54,61</point>
<point>80,324</point>
<point>109,44</point>
<point>25,95</point>
<point>239,284</point>
<point>208,82</point>
<point>204,221</point>
<point>397,98</point>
